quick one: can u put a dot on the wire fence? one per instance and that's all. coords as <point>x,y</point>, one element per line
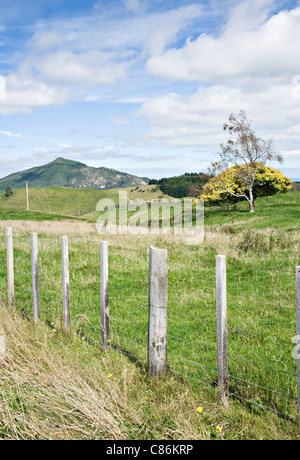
<point>262,371</point>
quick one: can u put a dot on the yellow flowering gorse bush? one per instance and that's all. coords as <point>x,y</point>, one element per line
<point>268,181</point>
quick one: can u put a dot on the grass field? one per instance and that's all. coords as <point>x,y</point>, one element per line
<point>71,202</point>
<point>262,251</point>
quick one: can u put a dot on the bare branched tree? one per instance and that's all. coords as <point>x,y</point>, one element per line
<point>246,151</point>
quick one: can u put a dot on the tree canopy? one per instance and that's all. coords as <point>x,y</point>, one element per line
<point>247,152</point>
<point>228,186</point>
<point>188,184</point>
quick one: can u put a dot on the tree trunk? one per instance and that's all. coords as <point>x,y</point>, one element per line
<point>251,201</point>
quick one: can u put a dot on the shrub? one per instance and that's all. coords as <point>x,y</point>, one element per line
<point>8,192</point>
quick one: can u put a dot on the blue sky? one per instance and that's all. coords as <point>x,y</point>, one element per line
<point>145,86</point>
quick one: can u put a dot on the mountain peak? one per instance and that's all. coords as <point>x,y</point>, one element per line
<point>73,174</point>
<point>61,160</point>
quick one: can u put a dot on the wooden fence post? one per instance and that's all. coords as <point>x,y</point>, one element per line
<point>158,302</point>
<point>10,268</point>
<point>221,301</point>
<point>65,282</point>
<point>104,296</point>
<point>35,277</point>
<point>298,336</point>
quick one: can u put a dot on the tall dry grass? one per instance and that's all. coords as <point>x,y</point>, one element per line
<point>54,386</point>
<point>45,394</point>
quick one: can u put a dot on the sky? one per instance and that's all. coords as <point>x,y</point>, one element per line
<point>143,86</point>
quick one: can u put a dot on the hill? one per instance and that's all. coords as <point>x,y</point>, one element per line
<point>71,202</point>
<point>72,174</point>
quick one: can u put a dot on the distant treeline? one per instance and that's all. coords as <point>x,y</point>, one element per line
<point>296,187</point>
<point>188,184</point>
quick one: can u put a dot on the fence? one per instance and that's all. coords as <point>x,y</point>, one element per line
<point>156,328</point>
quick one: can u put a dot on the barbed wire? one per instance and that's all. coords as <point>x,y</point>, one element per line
<point>129,340</point>
<point>128,301</point>
<point>193,289</point>
<point>20,253</point>
<point>23,273</point>
<point>92,270</point>
<point>257,302</point>
<point>191,343</point>
<point>262,406</point>
<point>244,331</point>
<point>193,362</point>
<point>237,378</point>
<point>48,298</point>
<point>123,352</point>
<point>77,308</point>
<point>190,378</point>
<point>22,288</point>
<point>129,324</point>
<point>214,387</point>
<point>259,267</point>
<point>191,317</point>
<point>262,365</point>
<point>88,243</point>
<point>263,388</point>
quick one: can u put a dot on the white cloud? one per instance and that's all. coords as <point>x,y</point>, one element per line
<point>66,60</point>
<point>44,40</point>
<point>23,95</point>
<point>89,68</point>
<point>136,6</point>
<point>91,98</point>
<point>161,31</point>
<point>150,32</point>
<point>9,134</point>
<point>249,47</point>
<point>119,121</point>
<point>197,120</point>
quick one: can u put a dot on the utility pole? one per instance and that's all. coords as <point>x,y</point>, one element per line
<point>27,196</point>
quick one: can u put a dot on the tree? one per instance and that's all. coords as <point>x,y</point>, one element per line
<point>194,190</point>
<point>247,152</point>
<point>229,186</point>
<point>179,186</point>
<point>8,192</point>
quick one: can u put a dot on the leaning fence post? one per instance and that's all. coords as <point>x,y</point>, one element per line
<point>35,277</point>
<point>104,296</point>
<point>221,301</point>
<point>10,267</point>
<point>158,302</point>
<point>298,336</point>
<point>65,282</point>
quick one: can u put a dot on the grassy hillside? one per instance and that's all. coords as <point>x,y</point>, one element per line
<point>68,173</point>
<point>280,211</point>
<point>79,392</point>
<point>275,212</point>
<point>71,202</point>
